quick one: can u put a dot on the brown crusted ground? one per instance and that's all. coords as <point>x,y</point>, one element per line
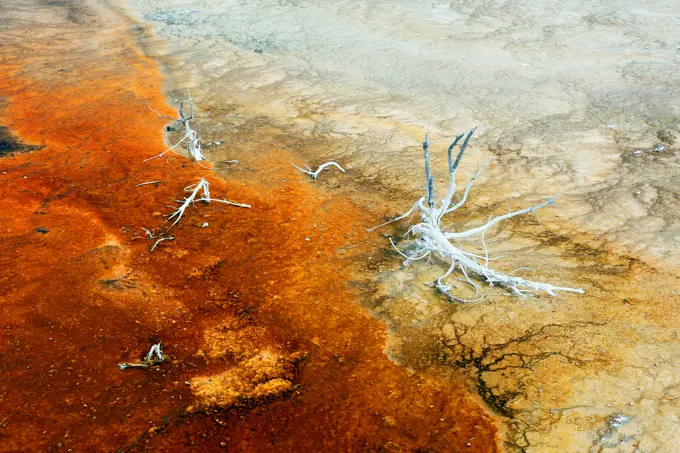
<point>80,291</point>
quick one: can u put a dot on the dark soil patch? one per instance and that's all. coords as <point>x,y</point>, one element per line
<point>9,144</point>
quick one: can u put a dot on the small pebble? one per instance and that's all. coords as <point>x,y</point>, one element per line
<point>205,224</point>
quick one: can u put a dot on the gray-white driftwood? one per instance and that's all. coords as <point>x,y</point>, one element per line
<point>315,174</point>
<point>432,239</point>
<point>204,186</point>
<point>190,135</point>
<point>153,357</point>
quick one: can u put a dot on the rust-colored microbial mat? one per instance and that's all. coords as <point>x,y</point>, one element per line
<point>268,349</point>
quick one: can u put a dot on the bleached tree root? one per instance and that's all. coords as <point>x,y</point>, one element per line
<point>431,239</point>
<point>315,174</point>
<point>204,186</point>
<point>147,183</point>
<point>190,135</point>
<point>153,357</point>
<point>159,240</point>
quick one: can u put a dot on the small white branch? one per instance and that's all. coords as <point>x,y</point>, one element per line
<point>191,199</point>
<point>403,216</point>
<point>491,223</point>
<point>203,184</point>
<point>231,203</point>
<point>159,240</point>
<point>315,174</point>
<point>194,143</point>
<point>147,183</point>
<point>153,357</point>
<point>169,149</point>
<point>157,113</point>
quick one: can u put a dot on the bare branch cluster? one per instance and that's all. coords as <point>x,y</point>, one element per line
<point>190,135</point>
<point>203,186</point>
<point>431,239</point>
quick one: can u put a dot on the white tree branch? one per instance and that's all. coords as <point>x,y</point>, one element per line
<point>315,174</point>
<point>507,216</point>
<point>147,183</point>
<point>191,199</point>
<point>159,240</point>
<point>403,216</point>
<point>153,357</point>
<point>194,143</point>
<point>169,149</point>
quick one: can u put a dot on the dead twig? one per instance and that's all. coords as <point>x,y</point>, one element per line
<point>191,199</point>
<point>157,113</point>
<point>315,174</point>
<point>159,240</point>
<point>153,357</point>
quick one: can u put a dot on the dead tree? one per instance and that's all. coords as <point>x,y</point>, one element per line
<point>190,135</point>
<point>195,189</point>
<point>315,174</point>
<point>153,357</point>
<point>431,239</point>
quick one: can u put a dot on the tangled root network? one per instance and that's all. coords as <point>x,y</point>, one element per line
<point>431,239</point>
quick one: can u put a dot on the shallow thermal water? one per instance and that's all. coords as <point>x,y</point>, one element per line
<point>570,97</point>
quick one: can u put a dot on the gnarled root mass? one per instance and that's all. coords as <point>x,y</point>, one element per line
<point>431,239</point>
